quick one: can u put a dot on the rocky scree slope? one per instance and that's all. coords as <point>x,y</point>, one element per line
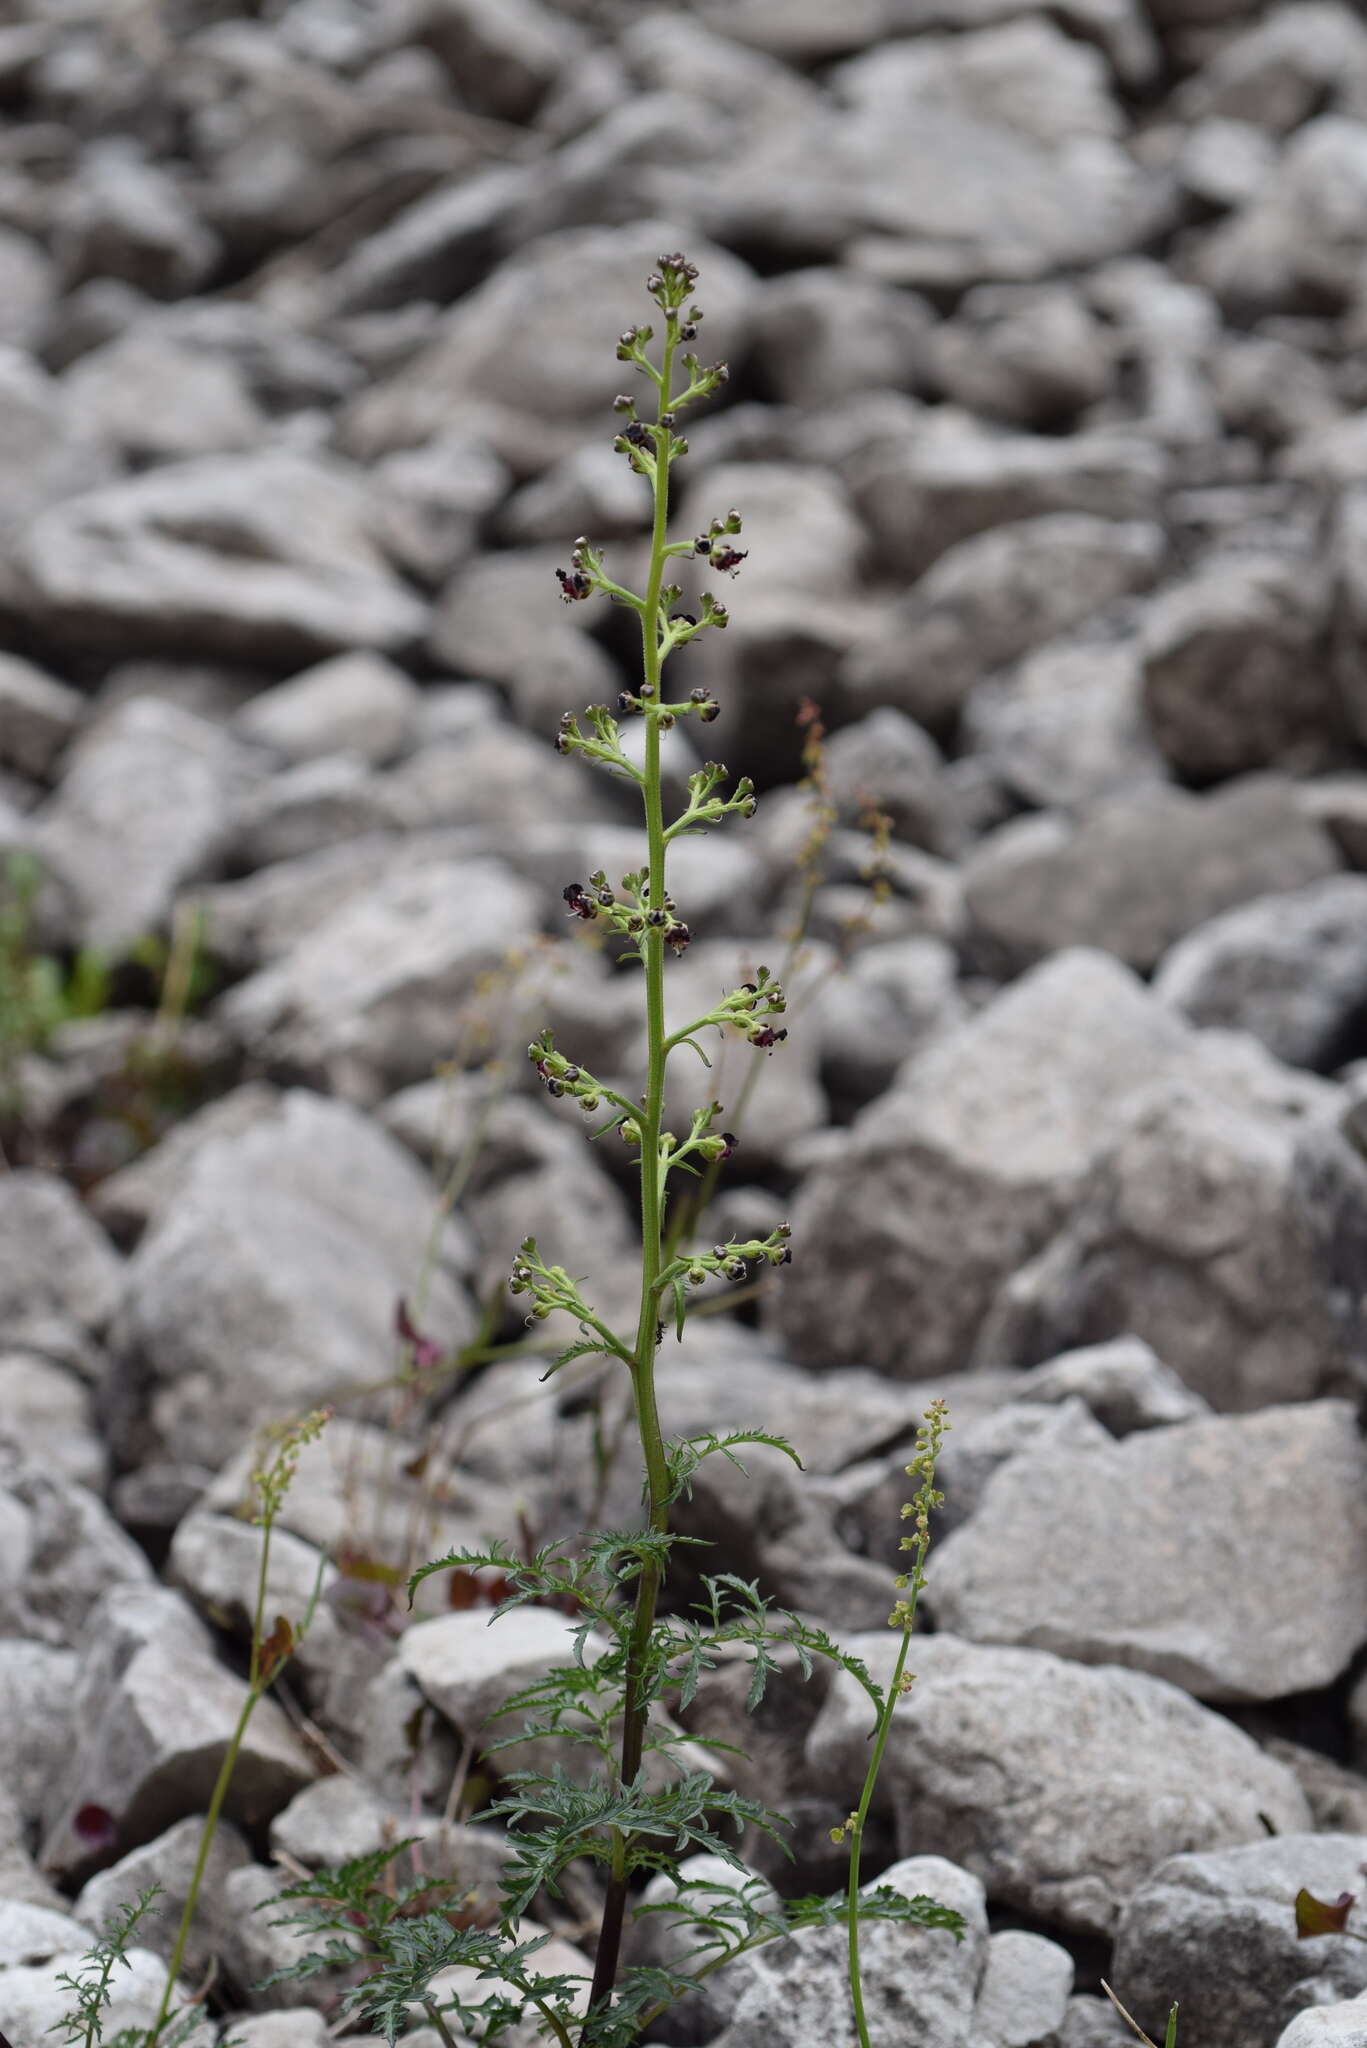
<point>1048,421</point>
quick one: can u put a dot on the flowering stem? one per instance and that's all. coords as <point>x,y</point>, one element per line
<point>928,1440</point>
<point>651,1116</point>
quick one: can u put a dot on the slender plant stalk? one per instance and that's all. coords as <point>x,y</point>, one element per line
<point>918,1510</point>
<point>635,1707</point>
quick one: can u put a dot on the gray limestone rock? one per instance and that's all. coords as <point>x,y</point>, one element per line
<point>1023,1997</point>
<point>531,336</point>
<point>1021,112</point>
<point>819,334</point>
<point>50,1414</point>
<point>1124,1383</point>
<point>992,598</point>
<point>38,716</point>
<point>57,1267</point>
<point>156,399</point>
<point>1236,674</point>
<point>36,1681</point>
<point>368,999</point>
<point>1193,1501</point>
<point>1301,237</point>
<point>1341,2025</point>
<point>956,1175</point>
<point>154,1712</point>
<point>63,1551</point>
<point>1218,1226</point>
<point>358,703</point>
<point>271,1281</point>
<point>270,556</point>
<point>169,1863</point>
<point>1290,969</point>
<point>1217,1932</point>
<point>1064,1831</point>
<point>922,493</point>
<point>919,1983</point>
<point>1136,871</point>
<point>1031,355</point>
<point>146,805</point>
<point>333,801</point>
<point>1065,728</point>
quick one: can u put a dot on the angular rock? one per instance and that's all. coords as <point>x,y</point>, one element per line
<point>1192,1498</point>
<point>169,1862</point>
<point>992,598</point>
<point>1279,72</point>
<point>38,716</point>
<point>1350,558</point>
<point>1290,969</point>
<point>919,1983</point>
<point>1066,727</point>
<point>127,217</point>
<point>821,333</point>
<point>1236,673</point>
<point>923,493</point>
<point>1061,1832</point>
<point>64,1551</point>
<point>50,1414</point>
<point>434,501</point>
<point>532,336</point>
<point>1124,1383</point>
<point>1302,238</point>
<point>333,801</point>
<point>157,400</point>
<point>268,557</point>
<point>1023,1997</point>
<point>500,617</point>
<point>1022,113</point>
<point>1341,2025</point>
<point>1032,355</point>
<point>977,1450</point>
<point>36,1682</point>
<point>771,1524</point>
<point>271,1281</point>
<point>58,1270</point>
<point>504,55</point>
<point>154,1712</point>
<point>1137,871</point>
<point>27,289</point>
<point>1217,1932</point>
<point>146,805</point>
<point>1220,1228</point>
<point>356,703</point>
<point>953,1178</point>
<point>216,1561</point>
<point>889,1001</point>
<point>36,1998</point>
<point>256,1944</point>
<point>368,997</point>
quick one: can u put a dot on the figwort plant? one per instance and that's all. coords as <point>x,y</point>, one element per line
<point>646,1804</point>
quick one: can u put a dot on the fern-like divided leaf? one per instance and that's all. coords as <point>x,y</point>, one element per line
<point>683,1455</point>
<point>658,1826</point>
<point>882,1903</point>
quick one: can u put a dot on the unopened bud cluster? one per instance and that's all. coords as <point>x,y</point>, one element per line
<point>632,915</point>
<point>919,1508</point>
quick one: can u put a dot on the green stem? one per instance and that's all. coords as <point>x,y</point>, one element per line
<point>206,1842</point>
<point>635,1702</point>
<point>857,1832</point>
<point>255,1689</point>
